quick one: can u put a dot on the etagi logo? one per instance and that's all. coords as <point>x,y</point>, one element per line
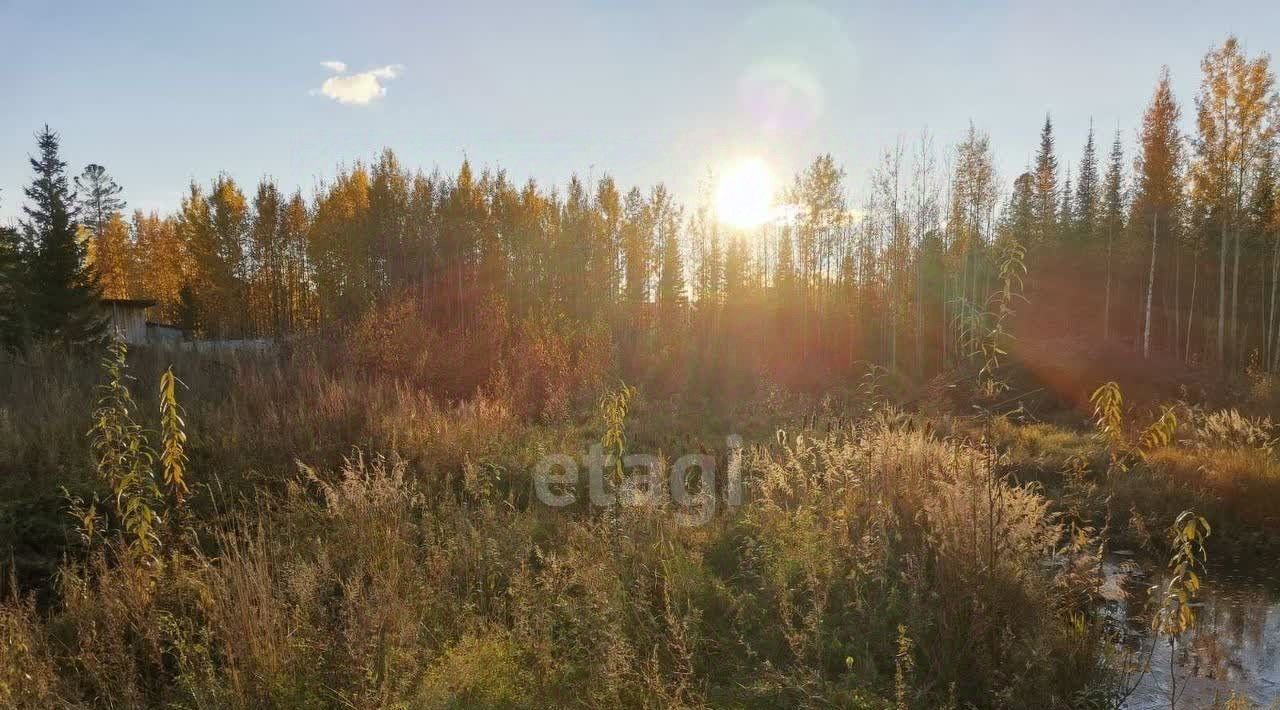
<point>639,481</point>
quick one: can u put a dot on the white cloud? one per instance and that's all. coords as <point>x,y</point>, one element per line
<point>356,89</point>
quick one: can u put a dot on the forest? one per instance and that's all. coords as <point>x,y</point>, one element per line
<point>973,407</point>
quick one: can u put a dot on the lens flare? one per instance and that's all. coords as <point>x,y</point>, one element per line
<point>794,54</point>
<point>744,195</point>
<point>783,98</point>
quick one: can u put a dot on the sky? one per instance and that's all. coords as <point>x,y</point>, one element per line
<point>165,92</point>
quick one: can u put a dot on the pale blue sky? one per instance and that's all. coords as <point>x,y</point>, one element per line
<point>163,91</point>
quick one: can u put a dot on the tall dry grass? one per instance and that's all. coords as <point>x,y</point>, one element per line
<point>874,533</point>
<point>371,586</point>
<point>883,562</point>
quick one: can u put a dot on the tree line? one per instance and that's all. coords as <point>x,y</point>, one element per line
<point>1171,250</point>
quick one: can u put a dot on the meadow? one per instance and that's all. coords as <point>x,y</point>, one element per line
<point>297,528</point>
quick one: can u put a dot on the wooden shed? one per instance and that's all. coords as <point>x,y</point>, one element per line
<point>126,317</point>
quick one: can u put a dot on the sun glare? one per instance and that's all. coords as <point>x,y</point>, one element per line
<point>744,197</point>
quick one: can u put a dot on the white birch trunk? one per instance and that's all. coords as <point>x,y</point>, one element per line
<point>1151,282</point>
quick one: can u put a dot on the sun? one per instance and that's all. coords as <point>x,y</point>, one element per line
<point>744,196</point>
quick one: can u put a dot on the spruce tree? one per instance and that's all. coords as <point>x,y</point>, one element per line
<point>1046,174</point>
<point>63,293</point>
<point>1087,192</point>
<point>1113,197</point>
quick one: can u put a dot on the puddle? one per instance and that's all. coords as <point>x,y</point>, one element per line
<point>1234,646</point>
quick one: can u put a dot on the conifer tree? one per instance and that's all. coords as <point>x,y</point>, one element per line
<point>99,198</point>
<point>64,294</point>
<point>1046,186</point>
<point>1088,196</point>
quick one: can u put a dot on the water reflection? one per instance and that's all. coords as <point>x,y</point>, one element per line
<point>1234,647</point>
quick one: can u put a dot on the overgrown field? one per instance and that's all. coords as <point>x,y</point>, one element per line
<point>297,532</point>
